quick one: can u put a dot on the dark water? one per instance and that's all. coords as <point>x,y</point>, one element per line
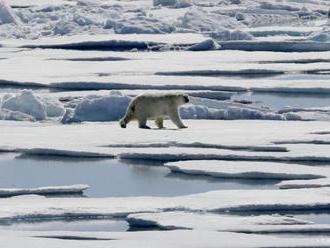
<point>277,101</point>
<point>109,178</point>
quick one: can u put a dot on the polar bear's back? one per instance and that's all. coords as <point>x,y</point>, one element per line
<point>153,105</point>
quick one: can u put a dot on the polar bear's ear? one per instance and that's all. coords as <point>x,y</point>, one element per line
<point>185,97</point>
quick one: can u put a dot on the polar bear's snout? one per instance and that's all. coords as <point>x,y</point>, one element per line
<point>122,123</point>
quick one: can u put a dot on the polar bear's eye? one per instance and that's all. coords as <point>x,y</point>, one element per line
<point>186,98</point>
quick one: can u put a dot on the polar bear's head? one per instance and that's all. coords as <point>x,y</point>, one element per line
<point>182,98</point>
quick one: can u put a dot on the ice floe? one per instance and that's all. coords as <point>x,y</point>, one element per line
<point>27,106</point>
<point>205,46</point>
<point>119,42</point>
<point>108,108</point>
<point>226,223</point>
<point>258,137</point>
<point>42,208</point>
<point>15,116</point>
<point>296,184</point>
<point>6,14</point>
<point>309,114</point>
<point>49,190</point>
<point>239,169</point>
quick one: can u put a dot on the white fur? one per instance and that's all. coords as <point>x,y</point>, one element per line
<point>157,107</point>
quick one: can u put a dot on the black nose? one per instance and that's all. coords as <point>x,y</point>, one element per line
<point>186,99</point>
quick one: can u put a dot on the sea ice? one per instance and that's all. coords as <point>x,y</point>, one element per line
<point>247,169</point>
<point>7,15</point>
<point>70,189</point>
<point>297,184</point>
<point>161,239</point>
<point>27,106</point>
<point>235,201</point>
<point>228,223</point>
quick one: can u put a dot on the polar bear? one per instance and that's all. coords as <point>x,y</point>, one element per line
<point>157,107</point>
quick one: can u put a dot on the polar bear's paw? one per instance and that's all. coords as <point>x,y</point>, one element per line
<point>144,127</point>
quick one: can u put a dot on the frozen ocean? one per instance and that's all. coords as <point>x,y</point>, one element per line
<point>252,168</point>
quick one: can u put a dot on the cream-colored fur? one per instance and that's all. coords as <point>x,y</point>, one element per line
<point>157,107</point>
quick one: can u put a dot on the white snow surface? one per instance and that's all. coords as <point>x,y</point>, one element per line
<point>202,140</point>
<point>208,70</point>
<point>229,19</point>
<point>181,238</point>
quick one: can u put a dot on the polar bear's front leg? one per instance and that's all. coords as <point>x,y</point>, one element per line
<point>175,118</point>
<point>143,122</point>
<point>159,122</point>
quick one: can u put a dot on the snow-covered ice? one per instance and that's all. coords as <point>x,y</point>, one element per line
<point>6,14</point>
<point>215,222</point>
<point>205,140</point>
<point>296,184</point>
<point>236,201</point>
<point>239,169</point>
<point>29,105</point>
<point>49,190</point>
<point>70,68</point>
<point>182,238</point>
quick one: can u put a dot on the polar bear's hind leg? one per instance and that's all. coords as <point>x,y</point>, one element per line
<point>159,122</point>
